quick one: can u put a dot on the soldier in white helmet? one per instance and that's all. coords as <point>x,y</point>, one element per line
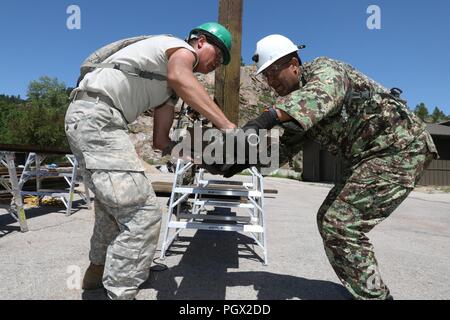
<point>383,146</point>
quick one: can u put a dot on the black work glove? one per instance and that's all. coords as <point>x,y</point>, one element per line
<point>234,169</point>
<point>187,153</point>
<point>168,149</point>
<point>214,169</point>
<point>267,120</point>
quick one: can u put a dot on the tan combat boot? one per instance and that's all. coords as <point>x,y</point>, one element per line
<point>93,277</point>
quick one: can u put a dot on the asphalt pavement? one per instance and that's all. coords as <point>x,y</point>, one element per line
<point>412,248</point>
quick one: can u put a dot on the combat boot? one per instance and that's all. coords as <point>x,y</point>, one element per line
<point>93,277</point>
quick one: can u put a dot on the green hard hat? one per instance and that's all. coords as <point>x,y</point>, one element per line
<point>218,35</point>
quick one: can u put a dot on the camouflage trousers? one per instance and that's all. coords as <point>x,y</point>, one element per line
<point>368,194</point>
<point>127,212</point>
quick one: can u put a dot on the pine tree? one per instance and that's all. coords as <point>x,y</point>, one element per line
<point>437,115</point>
<point>422,112</point>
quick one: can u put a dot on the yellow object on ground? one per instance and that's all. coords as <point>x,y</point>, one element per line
<point>33,201</point>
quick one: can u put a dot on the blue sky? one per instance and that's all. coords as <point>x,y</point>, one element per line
<point>411,51</point>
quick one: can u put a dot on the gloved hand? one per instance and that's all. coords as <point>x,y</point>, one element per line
<point>214,169</point>
<point>168,149</point>
<point>267,120</point>
<point>183,151</point>
<point>232,170</point>
<point>231,136</point>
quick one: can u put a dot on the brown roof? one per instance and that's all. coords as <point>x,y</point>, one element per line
<point>445,123</point>
<point>438,129</point>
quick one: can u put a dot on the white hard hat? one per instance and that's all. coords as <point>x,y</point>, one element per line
<point>271,48</point>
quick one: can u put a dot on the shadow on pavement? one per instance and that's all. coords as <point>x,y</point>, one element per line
<point>6,220</point>
<point>203,274</point>
<point>98,294</point>
<point>5,230</point>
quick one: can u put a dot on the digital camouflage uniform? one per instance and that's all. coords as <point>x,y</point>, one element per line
<point>186,120</point>
<point>384,148</point>
<point>127,213</point>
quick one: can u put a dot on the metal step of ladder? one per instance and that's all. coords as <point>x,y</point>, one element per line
<point>218,195</point>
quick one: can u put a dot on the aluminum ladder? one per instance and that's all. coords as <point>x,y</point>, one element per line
<point>39,173</point>
<point>218,194</point>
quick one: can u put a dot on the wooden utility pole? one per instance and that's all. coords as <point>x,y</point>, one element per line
<point>228,78</point>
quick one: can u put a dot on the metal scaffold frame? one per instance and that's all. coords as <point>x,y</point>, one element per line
<point>33,170</point>
<point>217,194</point>
<point>11,185</point>
<point>66,196</point>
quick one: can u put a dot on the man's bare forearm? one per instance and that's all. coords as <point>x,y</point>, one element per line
<point>192,92</point>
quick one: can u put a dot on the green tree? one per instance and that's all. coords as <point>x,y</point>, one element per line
<point>38,121</point>
<point>9,107</point>
<point>421,111</point>
<point>447,117</point>
<point>437,115</point>
<point>47,92</point>
<point>6,100</point>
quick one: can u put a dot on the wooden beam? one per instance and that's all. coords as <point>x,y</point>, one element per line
<point>36,149</point>
<point>228,78</point>
<point>164,189</point>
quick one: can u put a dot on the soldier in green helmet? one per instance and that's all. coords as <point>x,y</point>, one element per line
<point>118,83</point>
<point>384,146</point>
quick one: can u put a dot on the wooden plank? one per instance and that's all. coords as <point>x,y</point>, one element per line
<point>228,78</point>
<point>165,188</point>
<point>36,149</point>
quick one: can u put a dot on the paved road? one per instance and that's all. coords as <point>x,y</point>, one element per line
<point>412,247</point>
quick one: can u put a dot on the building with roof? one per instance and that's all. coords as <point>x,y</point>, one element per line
<point>320,166</point>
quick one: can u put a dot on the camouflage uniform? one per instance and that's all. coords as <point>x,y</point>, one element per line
<point>384,147</point>
<point>186,121</point>
<point>127,213</point>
